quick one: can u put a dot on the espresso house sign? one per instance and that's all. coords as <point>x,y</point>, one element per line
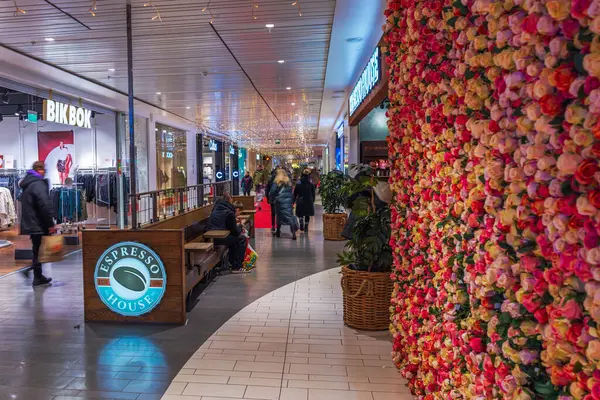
<point>368,80</point>
<point>61,113</point>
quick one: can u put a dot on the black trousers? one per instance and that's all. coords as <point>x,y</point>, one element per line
<point>36,242</point>
<point>304,220</point>
<point>246,192</point>
<point>273,215</point>
<point>237,249</point>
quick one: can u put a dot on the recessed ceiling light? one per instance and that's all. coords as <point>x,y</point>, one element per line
<point>158,93</point>
<point>281,61</point>
<point>354,40</point>
<point>111,70</point>
<point>187,108</point>
<point>270,26</point>
<point>293,104</point>
<point>49,39</point>
<point>206,117</point>
<point>288,88</point>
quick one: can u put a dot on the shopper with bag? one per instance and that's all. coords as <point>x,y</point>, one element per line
<point>37,215</point>
<point>304,196</point>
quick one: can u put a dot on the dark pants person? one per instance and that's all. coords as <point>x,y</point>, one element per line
<point>36,265</point>
<point>237,250</point>
<point>246,192</point>
<point>273,215</point>
<point>304,221</point>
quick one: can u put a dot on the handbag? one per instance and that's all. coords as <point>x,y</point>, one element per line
<point>52,249</point>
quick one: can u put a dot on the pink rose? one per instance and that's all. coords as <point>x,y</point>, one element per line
<point>568,162</point>
<point>571,309</point>
<point>545,26</point>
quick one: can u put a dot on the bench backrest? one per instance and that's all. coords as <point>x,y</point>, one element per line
<point>193,223</point>
<point>247,201</point>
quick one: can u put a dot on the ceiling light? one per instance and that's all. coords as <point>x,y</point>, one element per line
<point>281,61</point>
<point>288,88</point>
<point>187,108</point>
<point>111,70</point>
<point>206,117</point>
<point>293,104</point>
<point>270,26</point>
<point>158,93</point>
<point>49,39</point>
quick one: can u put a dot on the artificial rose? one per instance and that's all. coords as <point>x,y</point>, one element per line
<point>591,63</point>
<point>551,105</point>
<point>586,171</point>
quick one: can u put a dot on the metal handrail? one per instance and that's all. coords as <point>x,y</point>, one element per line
<point>158,205</point>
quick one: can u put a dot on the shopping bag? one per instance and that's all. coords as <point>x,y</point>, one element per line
<point>52,249</point>
<point>250,258</point>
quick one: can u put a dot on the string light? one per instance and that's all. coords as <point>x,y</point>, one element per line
<point>297,3</point>
<point>18,10</point>
<point>93,8</point>
<point>157,16</point>
<point>254,7</point>
<point>206,6</point>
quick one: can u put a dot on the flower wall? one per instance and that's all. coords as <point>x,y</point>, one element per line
<point>495,142</point>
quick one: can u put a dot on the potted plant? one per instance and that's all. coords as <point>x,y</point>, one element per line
<point>367,259</point>
<point>333,200</point>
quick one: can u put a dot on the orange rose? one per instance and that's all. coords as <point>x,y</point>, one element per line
<point>550,105</point>
<point>586,171</point>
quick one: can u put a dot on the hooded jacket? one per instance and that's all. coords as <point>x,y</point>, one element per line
<point>304,195</point>
<point>37,212</point>
<point>223,218</point>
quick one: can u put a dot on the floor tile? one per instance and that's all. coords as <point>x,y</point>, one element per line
<point>206,389</point>
<point>319,394</point>
<point>262,392</point>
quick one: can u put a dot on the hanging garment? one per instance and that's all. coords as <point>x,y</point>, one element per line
<point>8,215</point>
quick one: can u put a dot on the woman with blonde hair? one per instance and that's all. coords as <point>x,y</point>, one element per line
<point>284,203</point>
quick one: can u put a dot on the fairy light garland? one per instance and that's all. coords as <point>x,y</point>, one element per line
<point>18,10</point>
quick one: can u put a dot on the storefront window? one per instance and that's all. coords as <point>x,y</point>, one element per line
<point>171,157</point>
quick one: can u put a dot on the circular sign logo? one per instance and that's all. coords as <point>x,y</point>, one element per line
<point>130,278</point>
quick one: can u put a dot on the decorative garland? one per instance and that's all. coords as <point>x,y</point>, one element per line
<point>495,142</point>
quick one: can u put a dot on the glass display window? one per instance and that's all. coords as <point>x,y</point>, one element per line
<point>171,157</point>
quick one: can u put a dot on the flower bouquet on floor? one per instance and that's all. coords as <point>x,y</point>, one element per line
<point>250,258</point>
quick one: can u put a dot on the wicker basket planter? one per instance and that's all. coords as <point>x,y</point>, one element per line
<point>333,225</point>
<point>366,299</point>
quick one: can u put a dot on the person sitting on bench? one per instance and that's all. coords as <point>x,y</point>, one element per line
<point>223,217</point>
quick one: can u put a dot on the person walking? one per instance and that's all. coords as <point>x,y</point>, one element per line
<point>304,196</point>
<point>247,183</point>
<point>37,215</point>
<point>271,194</point>
<point>284,202</point>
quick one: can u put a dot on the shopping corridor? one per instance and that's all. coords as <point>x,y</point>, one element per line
<point>48,352</point>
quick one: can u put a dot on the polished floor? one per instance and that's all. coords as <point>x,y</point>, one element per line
<point>47,352</point>
<point>292,345</point>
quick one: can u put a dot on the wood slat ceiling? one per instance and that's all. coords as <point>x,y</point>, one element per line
<point>184,60</point>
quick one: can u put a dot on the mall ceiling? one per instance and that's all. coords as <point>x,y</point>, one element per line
<point>226,75</point>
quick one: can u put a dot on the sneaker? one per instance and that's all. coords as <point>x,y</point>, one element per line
<point>42,280</point>
<point>278,233</point>
<point>240,271</point>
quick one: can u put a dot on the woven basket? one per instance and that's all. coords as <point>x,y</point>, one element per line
<point>367,297</point>
<point>333,225</point>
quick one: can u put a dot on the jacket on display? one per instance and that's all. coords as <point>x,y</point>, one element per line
<point>8,215</point>
<point>69,205</point>
<point>304,195</point>
<point>285,205</point>
<point>223,217</point>
<point>37,213</point>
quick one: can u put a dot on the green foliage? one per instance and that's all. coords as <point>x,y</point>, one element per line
<point>369,248</point>
<point>331,192</point>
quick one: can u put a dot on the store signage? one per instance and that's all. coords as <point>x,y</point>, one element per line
<point>340,131</point>
<point>130,279</point>
<point>61,113</point>
<point>231,150</point>
<point>367,81</point>
<point>278,142</point>
<point>32,116</point>
<point>212,145</point>
<point>236,174</point>
<point>219,175</point>
<point>167,154</point>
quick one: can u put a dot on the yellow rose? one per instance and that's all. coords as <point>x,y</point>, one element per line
<point>575,114</point>
<point>480,42</point>
<point>504,59</point>
<point>591,63</point>
<point>583,138</point>
<point>577,391</point>
<point>593,350</point>
<point>558,9</point>
<point>496,10</point>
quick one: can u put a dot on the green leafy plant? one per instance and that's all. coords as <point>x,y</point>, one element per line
<point>332,195</point>
<point>369,248</point>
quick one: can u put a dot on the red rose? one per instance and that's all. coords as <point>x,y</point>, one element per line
<point>529,24</point>
<point>477,345</point>
<point>551,105</point>
<point>541,316</point>
<point>594,198</point>
<point>579,8</point>
<point>570,28</point>
<point>586,171</point>
<point>591,83</point>
<point>563,76</point>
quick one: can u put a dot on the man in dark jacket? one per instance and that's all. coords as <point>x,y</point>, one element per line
<point>247,184</point>
<point>271,193</point>
<point>37,215</point>
<point>223,217</point>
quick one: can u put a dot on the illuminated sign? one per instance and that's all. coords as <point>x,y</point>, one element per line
<point>236,174</point>
<point>130,279</point>
<point>212,145</point>
<point>167,154</point>
<point>32,116</point>
<point>340,131</point>
<point>219,175</point>
<point>231,149</point>
<point>367,82</point>
<point>61,113</point>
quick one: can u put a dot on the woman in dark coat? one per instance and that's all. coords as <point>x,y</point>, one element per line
<point>284,201</point>
<point>304,195</point>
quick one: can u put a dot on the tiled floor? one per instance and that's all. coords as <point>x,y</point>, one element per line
<point>292,345</point>
<point>48,353</point>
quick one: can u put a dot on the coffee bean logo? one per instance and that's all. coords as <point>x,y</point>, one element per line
<point>130,278</point>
